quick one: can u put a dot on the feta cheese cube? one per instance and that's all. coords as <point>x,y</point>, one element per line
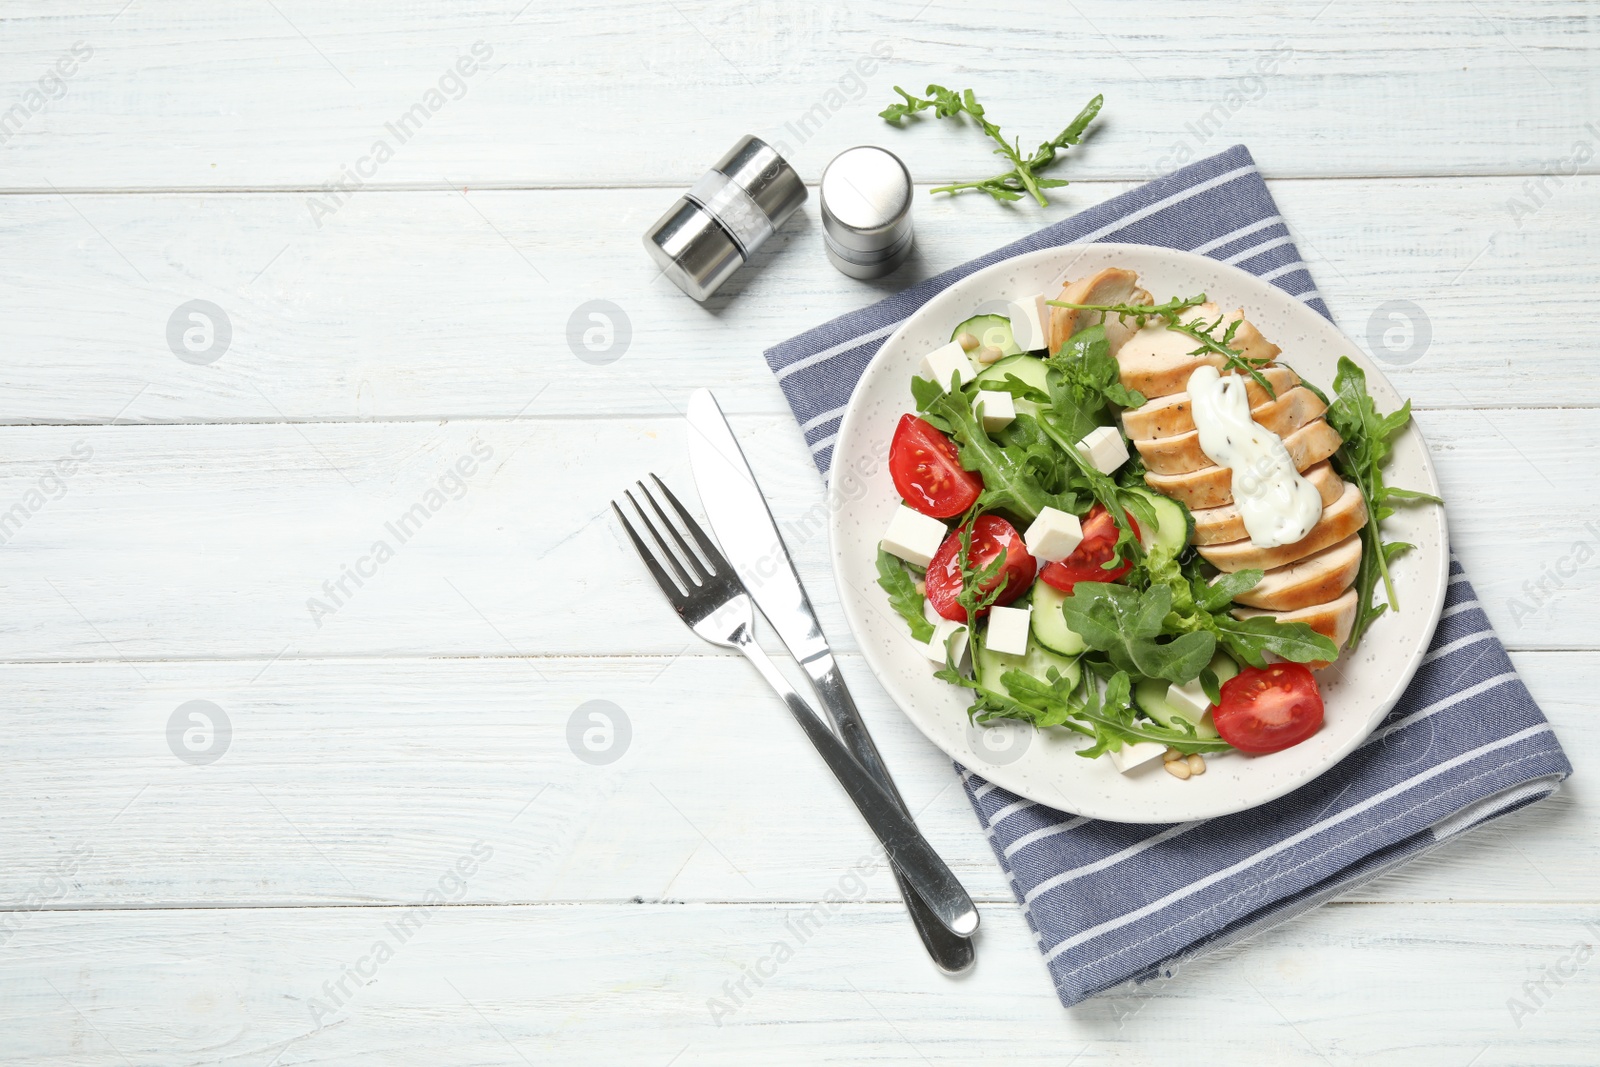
<point>1104,449</point>
<point>1008,630</point>
<point>913,536</point>
<point>1138,754</point>
<point>1053,535</point>
<point>939,365</point>
<point>1030,322</point>
<point>935,648</point>
<point>1190,699</point>
<point>995,409</point>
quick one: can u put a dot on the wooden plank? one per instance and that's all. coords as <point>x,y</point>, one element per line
<point>434,305</point>
<point>240,540</point>
<point>356,782</point>
<point>296,94</point>
<point>1414,985</point>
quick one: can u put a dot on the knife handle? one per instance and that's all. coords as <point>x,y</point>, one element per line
<point>950,952</point>
<point>908,850</point>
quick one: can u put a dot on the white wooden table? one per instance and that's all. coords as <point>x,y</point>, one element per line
<point>405,745</point>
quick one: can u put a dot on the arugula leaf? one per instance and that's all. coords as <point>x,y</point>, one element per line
<point>1200,605</point>
<point>903,595</point>
<point>1249,640</point>
<point>1011,474</point>
<point>1368,442</point>
<point>1092,373</point>
<point>1125,624</point>
<point>1218,594</point>
<point>1023,177</point>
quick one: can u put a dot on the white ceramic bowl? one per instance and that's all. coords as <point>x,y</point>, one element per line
<point>1042,765</point>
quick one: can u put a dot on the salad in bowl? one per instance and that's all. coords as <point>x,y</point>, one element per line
<point>1134,521</point>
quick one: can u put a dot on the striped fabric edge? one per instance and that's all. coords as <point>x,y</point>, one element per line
<point>1172,939</point>
<point>1350,879</point>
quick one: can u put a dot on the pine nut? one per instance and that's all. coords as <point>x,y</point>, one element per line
<point>1171,754</point>
<point>968,341</point>
<point>1197,764</point>
<point>921,586</point>
<point>988,354</point>
<point>1177,768</point>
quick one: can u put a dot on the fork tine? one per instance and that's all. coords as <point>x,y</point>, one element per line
<point>701,573</point>
<point>663,579</point>
<point>718,562</point>
<point>688,584</point>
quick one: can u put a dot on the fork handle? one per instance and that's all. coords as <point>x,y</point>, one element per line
<point>924,871</point>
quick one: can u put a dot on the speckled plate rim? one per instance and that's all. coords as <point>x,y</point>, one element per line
<point>1041,765</point>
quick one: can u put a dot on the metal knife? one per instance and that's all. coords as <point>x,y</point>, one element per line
<point>749,537</point>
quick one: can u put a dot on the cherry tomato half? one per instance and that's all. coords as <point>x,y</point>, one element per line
<point>1268,709</point>
<point>991,535</point>
<point>1088,561</point>
<point>927,472</point>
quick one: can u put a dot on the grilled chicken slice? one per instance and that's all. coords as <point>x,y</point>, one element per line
<point>1182,453</point>
<point>1218,526</point>
<point>1333,620</point>
<point>1339,520</point>
<point>1171,415</point>
<point>1111,286</point>
<point>1317,579</point>
<point>1213,486</point>
<point>1157,361</point>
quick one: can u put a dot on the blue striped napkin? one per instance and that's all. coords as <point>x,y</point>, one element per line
<point>1113,902</point>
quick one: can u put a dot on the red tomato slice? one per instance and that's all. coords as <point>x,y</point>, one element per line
<point>1088,560</point>
<point>991,535</point>
<point>927,472</point>
<point>1268,709</point>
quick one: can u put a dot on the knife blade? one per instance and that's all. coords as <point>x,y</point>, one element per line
<point>748,534</point>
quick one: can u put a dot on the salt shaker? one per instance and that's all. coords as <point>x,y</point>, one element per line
<point>866,211</point>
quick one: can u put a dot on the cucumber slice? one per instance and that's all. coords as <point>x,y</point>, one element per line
<point>1030,369</point>
<point>1151,696</point>
<point>1050,628</point>
<point>991,666</point>
<point>1174,524</point>
<point>990,330</point>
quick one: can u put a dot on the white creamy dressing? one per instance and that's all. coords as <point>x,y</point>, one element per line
<point>1278,506</point>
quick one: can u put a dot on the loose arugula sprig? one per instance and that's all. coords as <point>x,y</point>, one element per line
<point>1171,314</point>
<point>1368,441</point>
<point>1023,177</point>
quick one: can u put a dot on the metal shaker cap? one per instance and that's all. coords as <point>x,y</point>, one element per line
<point>866,211</point>
<point>729,213</point>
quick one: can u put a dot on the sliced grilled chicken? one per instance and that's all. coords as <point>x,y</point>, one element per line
<point>1339,520</point>
<point>1111,286</point>
<point>1171,415</point>
<point>1332,620</point>
<point>1213,486</point>
<point>1181,454</point>
<point>1158,362</point>
<point>1317,579</point>
<point>1218,526</point>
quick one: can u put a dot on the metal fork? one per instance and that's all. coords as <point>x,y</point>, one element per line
<point>708,596</point>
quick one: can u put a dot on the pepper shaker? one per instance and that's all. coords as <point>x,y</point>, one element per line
<point>730,212</point>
